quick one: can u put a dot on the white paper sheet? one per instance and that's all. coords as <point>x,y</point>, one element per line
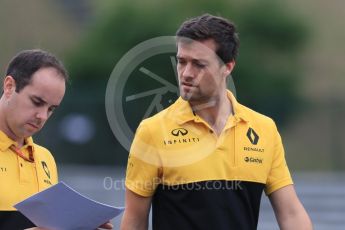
<point>62,208</point>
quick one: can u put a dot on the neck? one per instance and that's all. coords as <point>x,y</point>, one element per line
<point>215,111</point>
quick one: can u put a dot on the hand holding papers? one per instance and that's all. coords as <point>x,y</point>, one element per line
<point>61,208</point>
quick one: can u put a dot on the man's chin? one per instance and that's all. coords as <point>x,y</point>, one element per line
<point>29,133</point>
<point>187,96</point>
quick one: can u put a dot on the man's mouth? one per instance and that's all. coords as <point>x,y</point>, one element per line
<point>189,84</point>
<point>33,125</point>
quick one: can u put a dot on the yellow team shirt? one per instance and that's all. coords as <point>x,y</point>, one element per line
<point>19,178</point>
<point>177,147</point>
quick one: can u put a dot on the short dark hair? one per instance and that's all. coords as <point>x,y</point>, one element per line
<point>27,62</point>
<point>221,30</point>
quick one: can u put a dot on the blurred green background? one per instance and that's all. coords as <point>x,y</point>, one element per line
<point>290,67</point>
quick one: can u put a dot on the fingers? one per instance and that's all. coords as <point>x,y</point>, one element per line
<point>107,225</point>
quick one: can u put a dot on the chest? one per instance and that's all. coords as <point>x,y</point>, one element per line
<point>18,180</point>
<point>239,153</point>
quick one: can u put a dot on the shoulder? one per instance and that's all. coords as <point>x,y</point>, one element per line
<point>256,116</point>
<point>41,150</point>
<point>43,153</point>
<point>162,118</point>
<point>47,165</point>
<point>258,120</point>
<point>247,114</point>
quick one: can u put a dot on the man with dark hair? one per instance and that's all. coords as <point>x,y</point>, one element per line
<point>204,162</point>
<point>222,31</point>
<point>26,63</point>
<point>33,88</point>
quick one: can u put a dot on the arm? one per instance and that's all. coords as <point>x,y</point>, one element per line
<point>288,209</point>
<point>136,212</point>
<point>106,225</point>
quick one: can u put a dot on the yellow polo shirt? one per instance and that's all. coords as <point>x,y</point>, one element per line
<point>19,178</point>
<point>178,159</point>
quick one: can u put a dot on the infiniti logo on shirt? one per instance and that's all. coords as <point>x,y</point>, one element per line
<point>179,131</point>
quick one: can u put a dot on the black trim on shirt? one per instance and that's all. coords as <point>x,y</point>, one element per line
<point>217,204</point>
<point>14,220</point>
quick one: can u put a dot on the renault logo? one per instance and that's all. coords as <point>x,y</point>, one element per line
<point>45,168</point>
<point>252,136</point>
<point>179,131</point>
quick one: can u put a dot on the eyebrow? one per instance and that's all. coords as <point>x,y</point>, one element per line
<point>193,59</point>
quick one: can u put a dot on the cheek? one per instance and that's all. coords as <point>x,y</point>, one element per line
<point>14,121</point>
<point>23,115</point>
<point>14,111</point>
<point>179,74</point>
<point>178,77</point>
<point>207,80</point>
<point>209,85</point>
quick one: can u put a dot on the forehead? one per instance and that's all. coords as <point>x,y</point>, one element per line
<point>45,77</point>
<point>187,48</point>
<point>48,84</point>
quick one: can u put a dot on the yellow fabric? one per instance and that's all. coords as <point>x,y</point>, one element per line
<point>20,179</point>
<point>161,154</point>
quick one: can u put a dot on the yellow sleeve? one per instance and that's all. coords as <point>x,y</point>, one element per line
<point>143,167</point>
<point>279,175</point>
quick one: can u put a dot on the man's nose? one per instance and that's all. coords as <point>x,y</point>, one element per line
<point>188,71</point>
<point>42,114</point>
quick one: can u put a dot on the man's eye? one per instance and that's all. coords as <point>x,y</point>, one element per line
<point>199,65</point>
<point>180,61</point>
<point>37,103</point>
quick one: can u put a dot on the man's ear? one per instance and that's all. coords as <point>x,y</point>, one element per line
<point>229,67</point>
<point>9,86</point>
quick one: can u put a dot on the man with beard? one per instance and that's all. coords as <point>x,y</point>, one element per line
<point>204,162</point>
